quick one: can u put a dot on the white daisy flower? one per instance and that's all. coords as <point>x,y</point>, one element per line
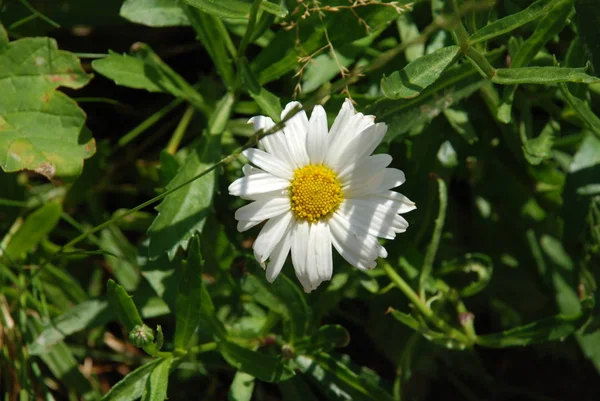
<point>317,189</point>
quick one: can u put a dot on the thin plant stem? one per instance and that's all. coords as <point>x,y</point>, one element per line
<point>202,348</point>
<point>39,14</point>
<point>250,29</point>
<point>180,130</point>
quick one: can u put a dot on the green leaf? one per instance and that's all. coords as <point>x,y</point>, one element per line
<point>405,319</point>
<point>189,296</point>
<point>406,114</point>
<point>410,81</point>
<point>587,18</point>
<point>155,13</point>
<point>145,70</point>
<point>123,305</point>
<point>35,228</point>
<point>267,101</point>
<point>132,386</point>
<point>158,381</point>
<point>542,75</point>
<point>539,149</point>
<point>549,329</point>
<point>122,260</point>
<point>41,129</point>
<point>582,108</point>
<point>183,213</point>
<point>213,35</point>
<point>264,367</point>
<point>242,387</point>
<point>459,120</point>
<point>327,337</point>
<point>282,297</point>
<point>235,8</point>
<point>512,22</point>
<point>477,264</point>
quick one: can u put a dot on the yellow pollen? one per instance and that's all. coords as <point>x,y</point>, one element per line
<point>315,192</point>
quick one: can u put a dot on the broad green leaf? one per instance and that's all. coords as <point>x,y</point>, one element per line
<point>549,329</point>
<point>329,370</point>
<point>550,25</point>
<point>235,8</point>
<point>155,13</point>
<point>268,368</point>
<point>158,381</point>
<point>513,21</point>
<point>542,75</point>
<point>410,81</point>
<point>123,262</point>
<point>123,305</point>
<point>183,213</point>
<point>283,297</point>
<point>587,18</point>
<point>212,33</point>
<point>539,149</point>
<point>189,296</point>
<point>35,228</point>
<point>267,101</point>
<point>145,70</point>
<point>41,129</point>
<point>406,114</point>
<point>242,387</point>
<point>91,313</point>
<point>132,386</point>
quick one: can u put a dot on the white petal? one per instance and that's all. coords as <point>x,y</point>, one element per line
<point>270,235</point>
<point>363,185</point>
<point>263,209</point>
<point>376,218</point>
<point>249,170</point>
<point>257,184</point>
<point>244,225</point>
<point>393,178</point>
<point>269,163</point>
<point>278,257</point>
<point>399,202</point>
<point>364,167</point>
<point>274,143</point>
<point>295,130</point>
<point>316,140</point>
<point>358,247</point>
<point>322,251</point>
<point>361,146</point>
<point>299,253</point>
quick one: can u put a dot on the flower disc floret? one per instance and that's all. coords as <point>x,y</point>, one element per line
<point>315,192</point>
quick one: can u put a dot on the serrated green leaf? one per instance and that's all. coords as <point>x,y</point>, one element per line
<point>35,228</point>
<point>189,296</point>
<point>241,388</point>
<point>212,33</point>
<point>41,129</point>
<point>539,149</point>
<point>512,22</point>
<point>132,386</point>
<point>155,13</point>
<point>267,101</point>
<point>235,8</point>
<point>555,328</point>
<point>410,81</point>
<point>404,115</point>
<point>587,18</point>
<point>542,75</point>
<point>143,69</point>
<point>158,381</point>
<point>268,368</point>
<point>183,213</point>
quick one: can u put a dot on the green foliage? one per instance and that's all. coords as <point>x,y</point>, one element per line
<point>122,273</point>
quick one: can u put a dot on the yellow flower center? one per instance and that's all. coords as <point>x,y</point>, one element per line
<point>315,192</point>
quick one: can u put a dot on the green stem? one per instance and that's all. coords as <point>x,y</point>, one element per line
<point>250,29</point>
<point>462,36</point>
<point>481,62</point>
<point>147,123</point>
<point>180,130</point>
<point>13,203</point>
<point>435,240</point>
<point>207,347</point>
<point>39,14</point>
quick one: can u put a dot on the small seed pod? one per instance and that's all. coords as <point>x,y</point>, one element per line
<point>141,335</point>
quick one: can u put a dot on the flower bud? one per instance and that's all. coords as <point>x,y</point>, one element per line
<point>141,335</point>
